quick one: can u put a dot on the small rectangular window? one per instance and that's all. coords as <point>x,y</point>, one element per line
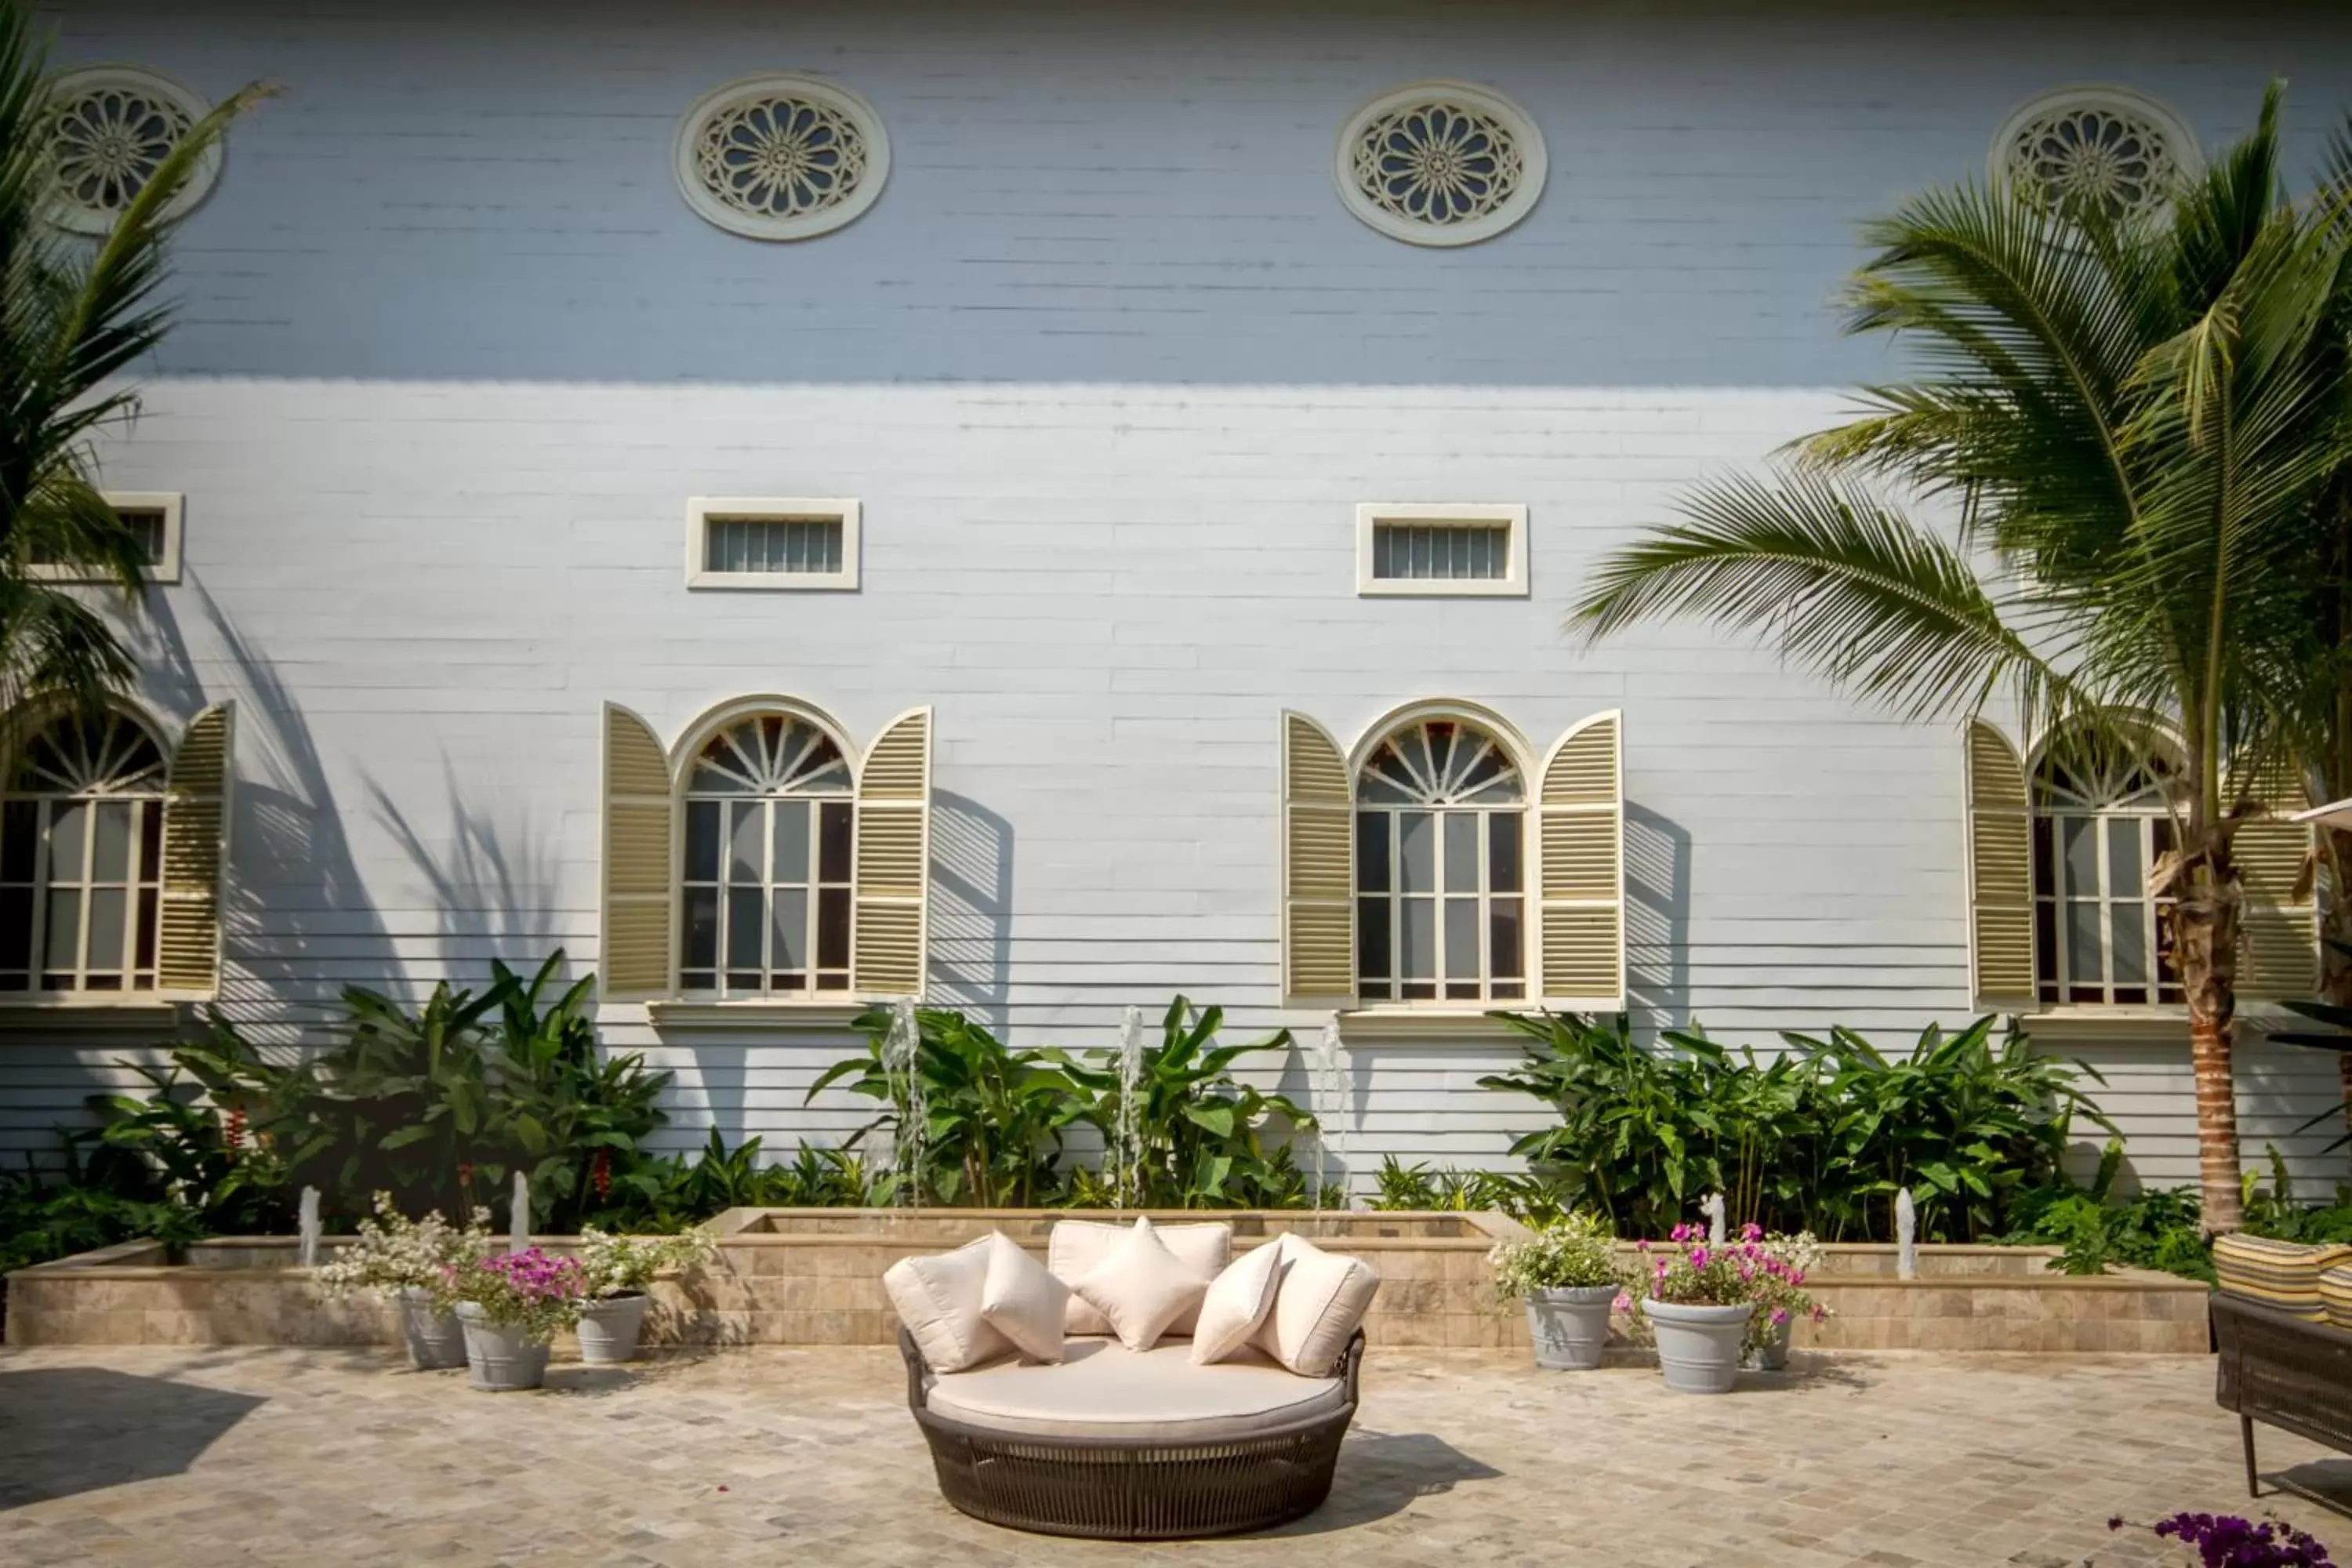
<point>153,516</point>
<point>1442,550</point>
<point>735,542</point>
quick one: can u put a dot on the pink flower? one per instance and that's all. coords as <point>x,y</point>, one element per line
<point>1680,1233</point>
<point>1820,1312</point>
<point>1625,1303</point>
<point>1751,1231</point>
<point>1779,1316</point>
<point>1698,1258</point>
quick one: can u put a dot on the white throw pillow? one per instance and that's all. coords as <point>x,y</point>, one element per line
<point>1078,1246</point>
<point>1319,1304</point>
<point>938,1300</point>
<point>1140,1288</point>
<point>1022,1300</point>
<point>1237,1303</point>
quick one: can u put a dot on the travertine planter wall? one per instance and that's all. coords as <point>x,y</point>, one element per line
<point>814,1276</point>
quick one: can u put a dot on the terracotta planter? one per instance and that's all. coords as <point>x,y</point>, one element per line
<point>609,1327</point>
<point>501,1360</point>
<point>435,1341</point>
<point>1569,1325</point>
<point>1698,1347</point>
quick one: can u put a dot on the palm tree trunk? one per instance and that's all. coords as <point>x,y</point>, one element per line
<point>2205,952</point>
<point>2334,850</point>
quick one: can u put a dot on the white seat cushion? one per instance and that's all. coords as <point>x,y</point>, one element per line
<point>1075,1247</point>
<point>1103,1390</point>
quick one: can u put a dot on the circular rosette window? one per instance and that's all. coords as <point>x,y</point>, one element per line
<point>781,157</point>
<point>1440,163</point>
<point>109,129</point>
<point>2106,147</point>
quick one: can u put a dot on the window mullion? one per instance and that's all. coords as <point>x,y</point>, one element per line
<point>88,871</point>
<point>1397,977</point>
<point>41,877</point>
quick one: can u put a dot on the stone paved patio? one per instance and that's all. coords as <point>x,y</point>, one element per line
<point>157,1456</point>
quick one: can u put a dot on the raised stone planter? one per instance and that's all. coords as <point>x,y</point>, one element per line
<point>814,1276</point>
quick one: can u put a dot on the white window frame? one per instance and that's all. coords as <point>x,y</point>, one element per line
<point>1371,516</point>
<point>685,160</point>
<point>703,511</point>
<point>2143,819</point>
<point>1534,159</point>
<point>166,568</point>
<point>1530,937</point>
<point>145,806</point>
<point>2110,98</point>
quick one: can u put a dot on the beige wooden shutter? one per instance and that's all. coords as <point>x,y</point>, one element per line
<point>1581,867</point>
<point>2278,943</point>
<point>894,858</point>
<point>640,890</point>
<point>1319,868</point>
<point>2000,871</point>
<point>196,855</point>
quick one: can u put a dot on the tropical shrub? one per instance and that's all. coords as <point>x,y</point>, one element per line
<point>393,1252</point>
<point>1531,1199</point>
<point>436,1106</point>
<point>1201,1139</point>
<point>992,1118</point>
<point>1819,1138</point>
<point>530,1290</point>
<point>1578,1250</point>
<point>45,1216</point>
<point>620,1266</point>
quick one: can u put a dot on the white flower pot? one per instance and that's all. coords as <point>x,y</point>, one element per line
<point>435,1339</point>
<point>1698,1347</point>
<point>1569,1325</point>
<point>501,1359</point>
<point>1772,1352</point>
<point>609,1326</point>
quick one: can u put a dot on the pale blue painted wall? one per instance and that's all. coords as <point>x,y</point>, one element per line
<point>1110,367</point>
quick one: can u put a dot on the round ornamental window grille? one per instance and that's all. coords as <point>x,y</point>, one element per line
<point>109,129</point>
<point>1440,163</point>
<point>781,157</point>
<point>2105,147</point>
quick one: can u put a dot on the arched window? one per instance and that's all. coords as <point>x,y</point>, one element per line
<point>768,870</point>
<point>2101,815</point>
<point>82,854</point>
<point>1441,855</point>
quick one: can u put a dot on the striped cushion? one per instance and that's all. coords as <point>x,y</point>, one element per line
<point>2281,1274</point>
<point>2336,1295</point>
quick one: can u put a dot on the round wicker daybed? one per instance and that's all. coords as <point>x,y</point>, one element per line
<point>1120,1446</point>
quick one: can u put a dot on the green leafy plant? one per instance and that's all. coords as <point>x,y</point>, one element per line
<point>1531,1199</point>
<point>1202,1140</point>
<point>624,1265</point>
<point>1578,1250</point>
<point>992,1118</point>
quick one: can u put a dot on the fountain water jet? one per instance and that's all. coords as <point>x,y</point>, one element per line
<point>519,1215</point>
<point>1906,1236</point>
<point>902,1070</point>
<point>1712,1206</point>
<point>1326,1091</point>
<point>1123,1160</point>
<point>308,1227</point>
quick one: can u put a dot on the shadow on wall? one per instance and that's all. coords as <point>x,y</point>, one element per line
<point>970,964</point>
<point>494,882</point>
<point>286,831</point>
<point>1657,919</point>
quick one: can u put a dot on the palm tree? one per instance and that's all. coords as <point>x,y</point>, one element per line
<point>74,318</point>
<point>2137,421</point>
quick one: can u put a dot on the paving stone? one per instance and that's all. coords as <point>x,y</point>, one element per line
<point>158,1454</point>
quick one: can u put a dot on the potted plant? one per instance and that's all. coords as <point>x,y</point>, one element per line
<point>510,1307</point>
<point>615,1271</point>
<point>1568,1275</point>
<point>1781,1294</point>
<point>1702,1299</point>
<point>406,1259</point>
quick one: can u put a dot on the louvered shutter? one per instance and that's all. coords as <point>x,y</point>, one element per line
<point>196,855</point>
<point>2278,940</point>
<point>894,857</point>
<point>1581,867</point>
<point>1319,856</point>
<point>2000,871</point>
<point>640,890</point>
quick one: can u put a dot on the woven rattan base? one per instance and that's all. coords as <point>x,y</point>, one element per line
<point>1108,1489</point>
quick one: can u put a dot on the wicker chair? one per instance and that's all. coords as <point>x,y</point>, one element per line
<point>1114,1489</point>
<point>2285,1370</point>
